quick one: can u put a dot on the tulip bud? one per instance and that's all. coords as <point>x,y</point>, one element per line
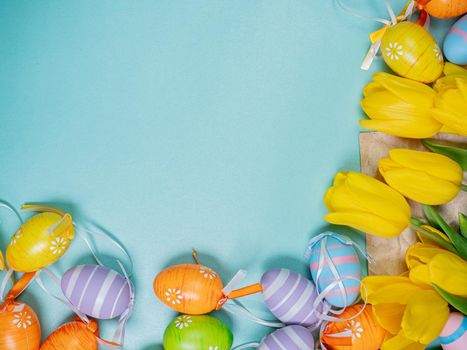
<point>399,106</point>
<point>451,100</point>
<point>424,177</point>
<point>366,204</point>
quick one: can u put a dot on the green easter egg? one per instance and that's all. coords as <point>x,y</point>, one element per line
<point>204,332</point>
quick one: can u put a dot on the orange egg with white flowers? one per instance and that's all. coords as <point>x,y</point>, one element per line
<point>189,288</point>
<point>443,8</point>
<point>354,330</point>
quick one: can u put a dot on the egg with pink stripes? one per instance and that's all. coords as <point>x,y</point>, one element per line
<point>335,262</point>
<point>97,291</point>
<point>455,44</point>
<point>290,338</point>
<point>454,334</point>
<point>290,297</point>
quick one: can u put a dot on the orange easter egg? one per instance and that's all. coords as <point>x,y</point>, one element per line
<point>74,335</point>
<point>360,333</point>
<point>19,327</point>
<point>189,288</point>
<point>410,51</point>
<point>444,8</point>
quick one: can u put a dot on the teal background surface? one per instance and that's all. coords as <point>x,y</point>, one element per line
<point>177,124</point>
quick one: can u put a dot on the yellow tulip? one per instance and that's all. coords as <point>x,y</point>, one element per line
<point>366,204</point>
<point>424,177</point>
<point>399,106</point>
<point>432,265</point>
<point>451,100</point>
<point>414,314</point>
<point>2,262</point>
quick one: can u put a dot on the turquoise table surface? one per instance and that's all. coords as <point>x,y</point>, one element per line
<point>177,124</point>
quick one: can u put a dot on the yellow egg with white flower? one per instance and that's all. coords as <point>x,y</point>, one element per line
<point>40,241</point>
<point>410,51</point>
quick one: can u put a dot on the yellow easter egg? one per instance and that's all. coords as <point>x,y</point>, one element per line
<point>40,241</point>
<point>410,51</point>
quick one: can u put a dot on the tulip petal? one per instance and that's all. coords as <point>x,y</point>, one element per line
<point>396,293</point>
<point>371,284</point>
<point>403,128</point>
<point>425,316</point>
<point>389,316</point>
<point>449,272</point>
<point>401,342</point>
<point>407,90</point>
<point>419,186</point>
<point>365,222</point>
<point>433,164</point>
<point>378,198</point>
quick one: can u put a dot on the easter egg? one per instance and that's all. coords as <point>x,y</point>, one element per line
<point>97,291</point>
<point>410,51</point>
<point>444,8</point>
<point>334,257</point>
<point>19,327</point>
<point>291,338</point>
<point>454,336</point>
<point>74,335</point>
<point>290,297</point>
<point>455,44</point>
<point>362,332</point>
<point>189,288</point>
<point>40,241</point>
<point>190,332</point>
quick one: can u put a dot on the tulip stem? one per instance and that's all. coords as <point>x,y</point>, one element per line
<point>438,240</point>
<point>464,187</point>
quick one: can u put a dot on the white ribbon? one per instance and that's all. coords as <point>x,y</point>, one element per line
<point>5,280</point>
<point>234,282</point>
<point>236,308</point>
<point>83,232</point>
<point>119,336</point>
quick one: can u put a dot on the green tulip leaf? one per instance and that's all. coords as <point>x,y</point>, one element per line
<point>457,152</point>
<point>432,219</point>
<point>455,301</point>
<point>459,241</point>
<point>463,224</point>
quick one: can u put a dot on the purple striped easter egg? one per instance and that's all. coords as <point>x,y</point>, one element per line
<point>290,297</point>
<point>97,291</point>
<point>290,338</point>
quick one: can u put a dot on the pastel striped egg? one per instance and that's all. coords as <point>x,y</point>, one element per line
<point>290,297</point>
<point>97,291</point>
<point>291,338</point>
<point>455,44</point>
<point>332,253</point>
<point>453,335</point>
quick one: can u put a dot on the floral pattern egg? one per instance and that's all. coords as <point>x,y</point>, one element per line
<point>40,241</point>
<point>355,331</point>
<point>19,327</point>
<point>290,338</point>
<point>74,335</point>
<point>189,288</point>
<point>410,51</point>
<point>204,332</point>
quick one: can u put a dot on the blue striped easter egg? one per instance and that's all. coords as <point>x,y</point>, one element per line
<point>290,297</point>
<point>97,291</point>
<point>290,338</point>
<point>455,44</point>
<point>343,262</point>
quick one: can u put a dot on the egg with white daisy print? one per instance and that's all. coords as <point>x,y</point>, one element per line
<point>189,332</point>
<point>189,288</point>
<point>412,52</point>
<point>19,327</point>
<point>40,241</point>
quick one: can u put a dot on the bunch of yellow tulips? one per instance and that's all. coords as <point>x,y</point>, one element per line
<point>413,308</point>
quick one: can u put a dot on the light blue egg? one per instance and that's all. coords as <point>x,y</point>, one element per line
<point>346,261</point>
<point>455,44</point>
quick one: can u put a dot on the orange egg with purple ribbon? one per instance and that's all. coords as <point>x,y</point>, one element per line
<point>192,289</point>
